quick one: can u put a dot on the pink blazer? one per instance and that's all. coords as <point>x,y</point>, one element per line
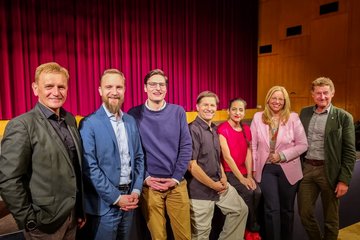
<point>291,141</point>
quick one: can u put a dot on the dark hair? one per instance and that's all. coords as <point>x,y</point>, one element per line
<point>241,124</point>
<point>155,72</point>
<point>236,99</point>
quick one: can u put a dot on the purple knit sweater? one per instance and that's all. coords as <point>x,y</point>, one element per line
<point>166,140</point>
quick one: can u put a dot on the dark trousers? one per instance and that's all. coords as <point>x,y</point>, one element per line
<point>250,197</point>
<point>279,196</point>
<point>314,183</point>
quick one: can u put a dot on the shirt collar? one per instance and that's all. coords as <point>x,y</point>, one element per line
<point>111,115</point>
<point>154,110</point>
<point>203,124</point>
<point>326,110</point>
<point>50,114</point>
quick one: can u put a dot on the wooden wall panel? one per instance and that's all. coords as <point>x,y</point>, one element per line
<point>297,103</point>
<point>354,35</point>
<point>268,23</point>
<point>328,52</point>
<point>353,90</point>
<point>329,45</point>
<point>293,75</point>
<point>267,76</point>
<point>293,13</point>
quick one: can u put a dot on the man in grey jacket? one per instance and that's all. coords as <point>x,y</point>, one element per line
<point>40,163</point>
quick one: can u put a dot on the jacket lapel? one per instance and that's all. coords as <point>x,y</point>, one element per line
<point>75,136</point>
<point>54,136</point>
<point>281,131</point>
<point>331,122</point>
<point>265,132</point>
<point>129,140</point>
<point>305,116</point>
<point>104,119</point>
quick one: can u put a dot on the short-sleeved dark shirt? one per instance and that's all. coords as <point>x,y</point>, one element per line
<point>206,151</point>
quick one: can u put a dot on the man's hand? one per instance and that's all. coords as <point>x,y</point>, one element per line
<point>341,189</point>
<point>135,196</point>
<point>160,184</point>
<point>169,182</point>
<point>219,187</point>
<point>128,202</point>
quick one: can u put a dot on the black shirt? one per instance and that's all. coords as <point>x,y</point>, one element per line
<point>61,129</point>
<point>60,126</point>
<point>206,152</point>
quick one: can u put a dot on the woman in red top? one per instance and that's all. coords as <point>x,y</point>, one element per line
<point>235,139</point>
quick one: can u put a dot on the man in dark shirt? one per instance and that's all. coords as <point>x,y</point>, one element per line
<point>208,184</point>
<point>40,163</point>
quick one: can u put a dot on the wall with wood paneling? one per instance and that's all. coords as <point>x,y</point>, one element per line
<point>329,45</point>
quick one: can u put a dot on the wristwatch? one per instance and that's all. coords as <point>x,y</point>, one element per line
<point>31,225</point>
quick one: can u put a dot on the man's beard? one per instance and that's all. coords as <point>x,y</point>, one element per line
<point>112,108</point>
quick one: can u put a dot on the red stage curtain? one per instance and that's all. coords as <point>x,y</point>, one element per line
<point>200,44</point>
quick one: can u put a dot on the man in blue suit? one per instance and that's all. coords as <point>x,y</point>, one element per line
<point>113,163</point>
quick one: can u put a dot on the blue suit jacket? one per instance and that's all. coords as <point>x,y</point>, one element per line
<point>101,162</point>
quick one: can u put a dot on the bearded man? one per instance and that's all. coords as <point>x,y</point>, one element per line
<point>113,164</point>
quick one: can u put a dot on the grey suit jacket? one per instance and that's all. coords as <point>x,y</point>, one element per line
<point>37,177</point>
<point>340,153</point>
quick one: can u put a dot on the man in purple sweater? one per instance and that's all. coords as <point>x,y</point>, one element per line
<point>167,146</point>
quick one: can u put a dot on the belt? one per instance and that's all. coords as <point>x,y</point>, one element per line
<point>314,162</point>
<point>124,187</point>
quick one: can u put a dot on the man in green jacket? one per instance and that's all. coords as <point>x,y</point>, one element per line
<point>329,161</point>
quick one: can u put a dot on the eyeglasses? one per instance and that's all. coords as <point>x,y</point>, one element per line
<point>155,84</point>
<point>275,99</point>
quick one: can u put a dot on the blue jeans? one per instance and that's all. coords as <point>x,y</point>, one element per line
<point>114,225</point>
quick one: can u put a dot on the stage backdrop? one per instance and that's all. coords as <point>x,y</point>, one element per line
<point>200,44</point>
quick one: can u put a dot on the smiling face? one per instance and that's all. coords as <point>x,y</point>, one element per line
<point>156,89</point>
<point>51,90</point>
<point>237,111</point>
<point>112,91</point>
<point>206,108</point>
<point>322,96</point>
<point>276,102</point>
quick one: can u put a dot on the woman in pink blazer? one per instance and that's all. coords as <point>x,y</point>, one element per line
<point>278,140</point>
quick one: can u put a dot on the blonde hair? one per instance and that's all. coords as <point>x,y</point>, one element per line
<point>112,71</point>
<point>284,113</point>
<point>323,81</point>
<point>50,67</point>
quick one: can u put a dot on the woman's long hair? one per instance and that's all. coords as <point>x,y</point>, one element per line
<point>284,113</point>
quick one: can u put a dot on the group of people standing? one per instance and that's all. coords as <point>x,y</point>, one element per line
<point>61,183</point>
